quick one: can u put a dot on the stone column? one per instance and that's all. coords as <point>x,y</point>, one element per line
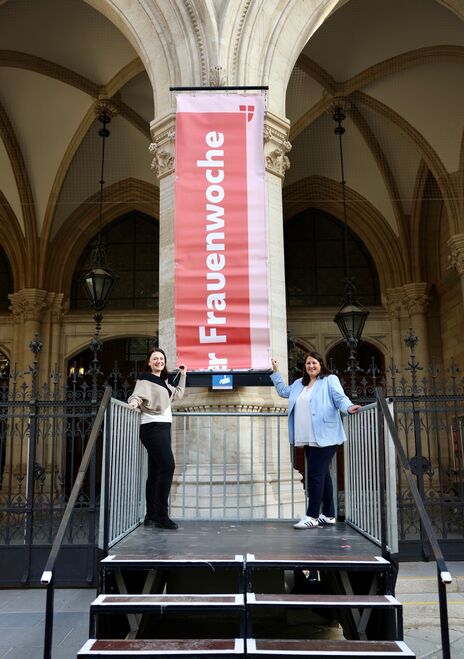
<point>276,147</point>
<point>416,301</point>
<point>162,148</point>
<point>456,257</point>
<point>202,467</point>
<point>27,307</point>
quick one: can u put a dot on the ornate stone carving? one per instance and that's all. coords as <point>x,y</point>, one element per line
<point>415,298</point>
<point>28,304</point>
<point>456,255</point>
<point>55,306</point>
<point>198,30</point>
<point>393,302</point>
<point>276,145</point>
<point>217,77</point>
<point>163,152</point>
<point>105,105</point>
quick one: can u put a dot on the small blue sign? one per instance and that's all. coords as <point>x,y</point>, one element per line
<point>222,381</point>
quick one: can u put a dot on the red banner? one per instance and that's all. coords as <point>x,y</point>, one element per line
<point>221,292</point>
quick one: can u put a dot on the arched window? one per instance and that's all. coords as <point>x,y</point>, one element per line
<point>132,251</point>
<point>315,264</point>
<point>6,281</point>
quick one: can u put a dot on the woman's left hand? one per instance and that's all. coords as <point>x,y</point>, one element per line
<point>182,368</point>
<point>354,408</point>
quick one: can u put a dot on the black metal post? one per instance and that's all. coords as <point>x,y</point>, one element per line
<point>442,600</point>
<point>35,346</point>
<point>49,611</point>
<point>353,365</point>
<point>413,366</point>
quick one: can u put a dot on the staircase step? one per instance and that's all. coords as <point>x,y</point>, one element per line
<point>346,563</point>
<point>202,608</point>
<point>172,648</point>
<point>323,601</point>
<point>150,561</point>
<point>321,649</point>
<point>146,603</point>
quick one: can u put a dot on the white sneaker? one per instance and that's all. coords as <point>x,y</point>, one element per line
<point>307,523</point>
<point>323,520</point>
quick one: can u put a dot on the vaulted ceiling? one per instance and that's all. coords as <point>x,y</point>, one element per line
<point>398,65</point>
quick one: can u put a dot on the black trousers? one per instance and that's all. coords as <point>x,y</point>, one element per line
<point>156,437</point>
<point>319,484</point>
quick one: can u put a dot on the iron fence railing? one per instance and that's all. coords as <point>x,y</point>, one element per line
<point>221,461</point>
<point>235,465</point>
<point>123,475</point>
<point>369,462</point>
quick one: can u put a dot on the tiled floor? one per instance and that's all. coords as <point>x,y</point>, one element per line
<point>22,616</point>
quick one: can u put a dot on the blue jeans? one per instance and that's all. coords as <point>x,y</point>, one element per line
<point>319,485</point>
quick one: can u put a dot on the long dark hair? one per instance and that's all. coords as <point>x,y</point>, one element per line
<point>164,373</point>
<point>323,372</point>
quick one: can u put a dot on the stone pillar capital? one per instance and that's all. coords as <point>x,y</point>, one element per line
<point>415,298</point>
<point>456,253</point>
<point>276,144</point>
<point>163,146</point>
<point>55,306</point>
<point>28,304</point>
<point>393,301</point>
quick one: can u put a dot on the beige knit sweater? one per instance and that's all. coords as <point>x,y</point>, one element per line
<point>154,398</point>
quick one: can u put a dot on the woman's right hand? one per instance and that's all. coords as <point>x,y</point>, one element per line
<point>133,404</point>
<point>275,365</point>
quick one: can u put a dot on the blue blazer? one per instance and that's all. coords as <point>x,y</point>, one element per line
<point>327,401</point>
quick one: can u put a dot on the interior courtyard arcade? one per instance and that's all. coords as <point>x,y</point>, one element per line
<point>397,70</point>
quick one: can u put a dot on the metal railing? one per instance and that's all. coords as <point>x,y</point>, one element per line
<point>48,574</point>
<point>443,574</point>
<point>122,503</point>
<point>370,479</point>
<point>234,466</point>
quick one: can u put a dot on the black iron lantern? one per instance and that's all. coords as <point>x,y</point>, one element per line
<point>351,316</point>
<point>99,281</point>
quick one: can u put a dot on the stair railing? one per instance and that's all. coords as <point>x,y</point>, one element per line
<point>443,574</point>
<point>124,472</point>
<point>48,575</point>
<point>370,479</point>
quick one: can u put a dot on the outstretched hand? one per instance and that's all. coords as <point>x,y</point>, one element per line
<point>275,365</point>
<point>354,408</point>
<point>182,368</point>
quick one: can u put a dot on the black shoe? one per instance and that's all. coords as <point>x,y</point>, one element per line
<point>149,522</point>
<point>166,523</point>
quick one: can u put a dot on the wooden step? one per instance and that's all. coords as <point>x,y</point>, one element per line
<point>150,603</point>
<point>321,649</point>
<point>391,609</point>
<point>180,560</point>
<point>345,563</point>
<point>323,601</point>
<point>199,607</point>
<point>172,648</point>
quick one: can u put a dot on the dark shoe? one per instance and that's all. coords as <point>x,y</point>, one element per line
<point>166,523</point>
<point>149,522</point>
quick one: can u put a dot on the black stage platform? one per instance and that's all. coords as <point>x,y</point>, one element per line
<point>265,540</point>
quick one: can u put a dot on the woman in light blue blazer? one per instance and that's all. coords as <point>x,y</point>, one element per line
<point>314,404</point>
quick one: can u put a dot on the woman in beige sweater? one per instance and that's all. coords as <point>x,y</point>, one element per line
<point>153,395</point>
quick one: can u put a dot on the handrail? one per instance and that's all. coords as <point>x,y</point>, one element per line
<point>48,573</point>
<point>443,574</point>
